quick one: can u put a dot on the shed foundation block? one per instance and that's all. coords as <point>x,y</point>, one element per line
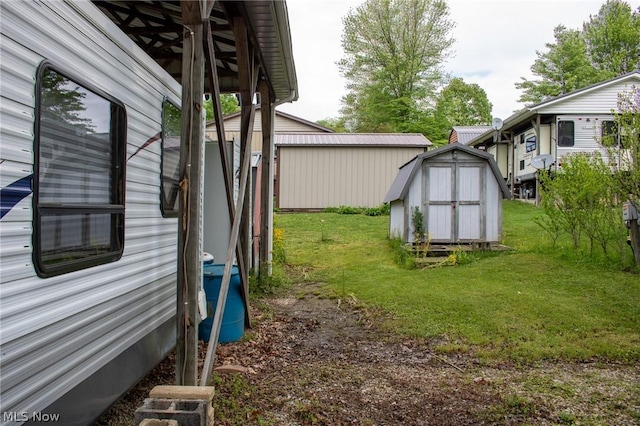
<point>186,405</point>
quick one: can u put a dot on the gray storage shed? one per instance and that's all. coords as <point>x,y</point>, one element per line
<point>458,190</point>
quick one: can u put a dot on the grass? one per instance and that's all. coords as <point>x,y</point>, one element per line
<point>534,303</point>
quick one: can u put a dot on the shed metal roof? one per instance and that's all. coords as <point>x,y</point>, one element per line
<point>354,139</point>
<point>467,133</point>
<point>400,186</point>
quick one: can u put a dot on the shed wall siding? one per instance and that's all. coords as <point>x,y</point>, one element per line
<point>318,177</point>
<point>396,220</point>
<point>492,208</point>
<point>413,199</point>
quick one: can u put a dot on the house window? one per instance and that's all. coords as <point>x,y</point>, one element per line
<point>522,138</point>
<point>521,164</point>
<point>566,133</point>
<point>531,143</point>
<point>609,135</point>
<point>171,122</point>
<point>80,149</point>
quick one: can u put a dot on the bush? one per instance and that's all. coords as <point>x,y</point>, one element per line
<point>381,210</point>
<point>580,201</point>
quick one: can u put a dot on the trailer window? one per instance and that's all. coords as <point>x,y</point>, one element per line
<point>531,143</point>
<point>171,122</point>
<point>566,133</point>
<point>609,134</point>
<point>80,149</point>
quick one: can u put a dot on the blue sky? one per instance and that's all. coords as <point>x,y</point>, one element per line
<point>496,43</point>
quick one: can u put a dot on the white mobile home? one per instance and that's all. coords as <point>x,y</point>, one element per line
<point>570,123</point>
<point>89,147</point>
<point>87,304</point>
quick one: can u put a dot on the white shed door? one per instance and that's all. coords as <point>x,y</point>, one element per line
<point>439,214</point>
<point>453,200</point>
<point>468,212</point>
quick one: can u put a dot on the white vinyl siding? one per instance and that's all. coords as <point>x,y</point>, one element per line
<point>598,100</point>
<point>587,129</point>
<point>57,332</point>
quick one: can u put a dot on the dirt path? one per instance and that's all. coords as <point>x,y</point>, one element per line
<point>316,361</point>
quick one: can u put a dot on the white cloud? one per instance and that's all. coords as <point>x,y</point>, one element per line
<point>496,43</point>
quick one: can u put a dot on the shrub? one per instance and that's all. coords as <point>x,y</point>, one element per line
<point>580,200</point>
<point>381,210</point>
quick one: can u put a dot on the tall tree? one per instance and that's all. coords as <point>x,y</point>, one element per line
<point>563,68</point>
<point>393,51</point>
<point>607,46</point>
<point>460,104</point>
<point>613,38</point>
<point>335,123</point>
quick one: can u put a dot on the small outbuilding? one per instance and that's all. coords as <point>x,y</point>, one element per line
<point>458,190</point>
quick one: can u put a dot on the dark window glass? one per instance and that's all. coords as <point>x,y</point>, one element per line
<point>531,144</point>
<point>79,179</point>
<point>521,164</point>
<point>171,122</point>
<point>609,133</point>
<point>566,133</point>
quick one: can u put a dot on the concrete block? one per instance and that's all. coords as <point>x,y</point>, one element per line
<point>185,412</point>
<point>195,393</point>
<point>158,422</point>
<point>200,393</point>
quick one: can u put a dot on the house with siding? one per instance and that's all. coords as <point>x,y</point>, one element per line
<point>283,123</point>
<point>551,130</point>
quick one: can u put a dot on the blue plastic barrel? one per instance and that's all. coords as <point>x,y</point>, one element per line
<point>232,327</point>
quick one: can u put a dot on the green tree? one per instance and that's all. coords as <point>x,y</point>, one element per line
<point>460,104</point>
<point>335,123</point>
<point>393,51</point>
<point>613,38</point>
<point>563,68</point>
<point>607,46</point>
<point>63,101</point>
<point>228,102</point>
<point>626,156</point>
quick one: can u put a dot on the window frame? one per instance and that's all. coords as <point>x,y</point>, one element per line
<point>573,136</point>
<point>609,134</point>
<point>167,212</point>
<point>116,206</point>
<point>531,143</point>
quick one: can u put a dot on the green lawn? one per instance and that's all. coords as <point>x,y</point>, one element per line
<point>535,302</point>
